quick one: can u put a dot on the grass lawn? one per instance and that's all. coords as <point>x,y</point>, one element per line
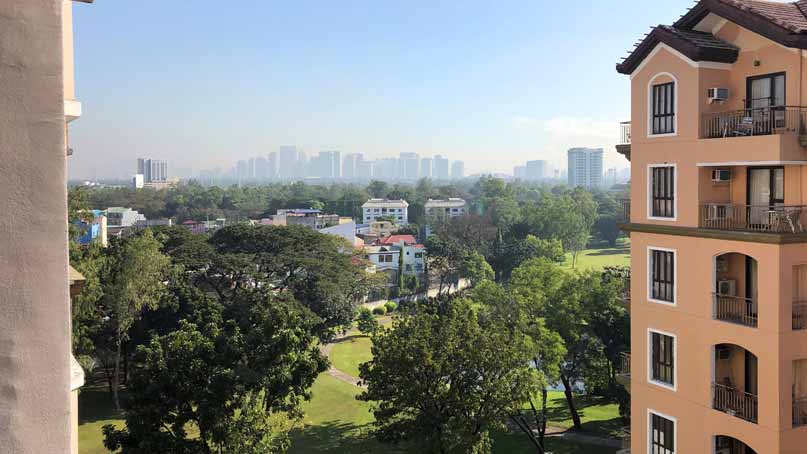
<point>95,410</point>
<point>601,256</point>
<point>596,415</point>
<point>349,352</point>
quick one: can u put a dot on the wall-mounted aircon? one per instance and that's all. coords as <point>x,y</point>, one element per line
<point>727,287</point>
<point>718,94</point>
<point>721,175</point>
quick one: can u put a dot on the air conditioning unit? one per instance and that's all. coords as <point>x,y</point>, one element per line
<point>718,94</point>
<point>721,176</point>
<point>723,353</point>
<point>727,287</point>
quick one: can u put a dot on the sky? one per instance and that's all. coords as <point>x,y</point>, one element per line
<point>204,83</point>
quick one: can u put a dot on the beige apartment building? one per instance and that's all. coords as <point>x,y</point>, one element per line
<point>37,99</point>
<point>718,226</point>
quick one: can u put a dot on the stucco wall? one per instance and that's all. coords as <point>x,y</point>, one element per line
<point>34,321</point>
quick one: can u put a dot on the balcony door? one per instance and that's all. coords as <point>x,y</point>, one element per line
<point>766,191</point>
<point>765,99</point>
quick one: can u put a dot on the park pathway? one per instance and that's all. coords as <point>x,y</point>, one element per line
<point>336,373</point>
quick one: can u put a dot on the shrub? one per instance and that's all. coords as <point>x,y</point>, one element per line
<point>380,310</point>
<point>390,306</point>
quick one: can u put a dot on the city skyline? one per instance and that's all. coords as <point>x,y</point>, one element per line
<point>386,79</point>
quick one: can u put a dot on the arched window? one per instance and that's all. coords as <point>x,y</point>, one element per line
<point>663,105</point>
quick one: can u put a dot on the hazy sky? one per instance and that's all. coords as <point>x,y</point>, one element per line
<point>203,83</point>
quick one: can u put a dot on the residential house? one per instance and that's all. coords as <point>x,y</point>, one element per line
<point>396,211</point>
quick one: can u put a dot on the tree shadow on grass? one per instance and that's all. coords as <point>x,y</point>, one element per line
<point>337,437</point>
<point>95,404</point>
<point>349,338</point>
<point>613,251</point>
<point>560,415</point>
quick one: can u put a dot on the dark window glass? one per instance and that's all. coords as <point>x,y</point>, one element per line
<point>662,358</point>
<point>664,108</point>
<point>662,437</point>
<point>662,277</point>
<point>662,187</point>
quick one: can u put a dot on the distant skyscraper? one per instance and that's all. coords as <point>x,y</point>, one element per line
<point>457,170</point>
<point>520,172</point>
<point>440,168</point>
<point>426,167</point>
<point>537,170</point>
<point>242,171</point>
<point>153,170</point>
<point>410,163</point>
<point>585,167</point>
<point>364,169</point>
<point>271,165</point>
<point>288,162</point>
<point>350,165</point>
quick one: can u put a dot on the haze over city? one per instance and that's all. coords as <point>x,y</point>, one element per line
<point>492,85</point>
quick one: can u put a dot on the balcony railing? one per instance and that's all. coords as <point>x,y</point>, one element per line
<point>624,364</point>
<point>733,309</point>
<point>625,210</point>
<point>624,133</point>
<point>799,411</point>
<point>755,122</point>
<point>735,402</point>
<point>753,218</point>
<point>799,315</point>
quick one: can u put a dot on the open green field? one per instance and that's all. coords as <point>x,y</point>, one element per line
<point>349,352</point>
<point>601,256</point>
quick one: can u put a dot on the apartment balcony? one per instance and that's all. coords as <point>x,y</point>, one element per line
<point>620,275</point>
<point>799,412</point>
<point>799,315</point>
<point>625,210</point>
<point>623,147</point>
<point>774,218</point>
<point>735,402</point>
<point>735,309</point>
<point>780,120</point>
<point>735,385</point>
<point>623,371</point>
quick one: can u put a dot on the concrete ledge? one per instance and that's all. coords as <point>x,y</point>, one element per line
<point>753,237</point>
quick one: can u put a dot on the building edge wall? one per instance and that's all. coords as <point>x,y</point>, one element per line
<point>35,320</point>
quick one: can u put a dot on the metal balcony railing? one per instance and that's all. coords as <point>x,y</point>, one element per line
<point>624,133</point>
<point>624,364</point>
<point>733,309</point>
<point>625,210</point>
<point>753,218</point>
<point>799,411</point>
<point>755,122</point>
<point>799,315</point>
<point>734,402</point>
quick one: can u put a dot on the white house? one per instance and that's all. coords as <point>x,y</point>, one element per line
<point>450,208</point>
<point>396,210</point>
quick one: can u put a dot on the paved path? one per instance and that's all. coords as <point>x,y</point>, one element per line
<point>336,373</point>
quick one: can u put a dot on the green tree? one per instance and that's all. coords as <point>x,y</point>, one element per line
<point>235,380</point>
<point>444,376</point>
<point>474,268</point>
<point>366,322</point>
<point>567,217</point>
<point>132,279</point>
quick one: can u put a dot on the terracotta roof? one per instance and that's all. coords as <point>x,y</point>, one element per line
<point>698,46</point>
<point>782,22</point>
<point>787,15</point>
<point>394,239</point>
